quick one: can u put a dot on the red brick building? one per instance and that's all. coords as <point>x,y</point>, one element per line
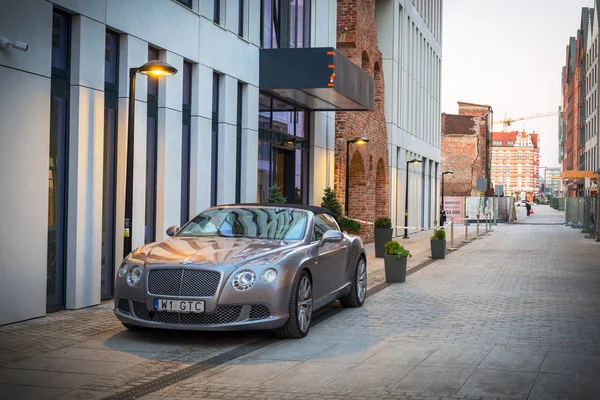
<point>515,163</point>
<point>464,149</point>
<point>368,178</point>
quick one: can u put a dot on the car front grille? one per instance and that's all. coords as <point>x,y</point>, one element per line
<point>183,282</point>
<point>259,312</point>
<point>123,306</point>
<point>222,315</point>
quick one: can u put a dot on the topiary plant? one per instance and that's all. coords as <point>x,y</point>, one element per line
<point>440,234</point>
<point>331,203</point>
<point>275,195</point>
<point>395,249</point>
<point>383,222</point>
<point>349,225</point>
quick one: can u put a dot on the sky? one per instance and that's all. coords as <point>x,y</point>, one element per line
<point>509,54</point>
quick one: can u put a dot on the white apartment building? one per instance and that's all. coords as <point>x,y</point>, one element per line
<point>410,39</point>
<point>234,120</point>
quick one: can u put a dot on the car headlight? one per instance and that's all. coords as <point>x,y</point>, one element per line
<point>123,269</point>
<point>268,275</point>
<point>134,275</point>
<point>243,280</point>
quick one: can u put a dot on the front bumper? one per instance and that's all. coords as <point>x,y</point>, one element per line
<point>225,318</point>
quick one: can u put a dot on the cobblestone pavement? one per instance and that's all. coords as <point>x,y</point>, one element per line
<point>515,315</point>
<point>512,315</point>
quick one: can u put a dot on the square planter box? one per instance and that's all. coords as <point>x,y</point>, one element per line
<point>438,248</point>
<point>382,236</point>
<point>395,269</point>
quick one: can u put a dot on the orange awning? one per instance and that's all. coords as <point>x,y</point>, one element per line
<point>578,174</point>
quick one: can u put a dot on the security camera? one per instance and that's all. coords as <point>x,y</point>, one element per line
<point>5,43</point>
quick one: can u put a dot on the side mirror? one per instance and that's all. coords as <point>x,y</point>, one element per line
<point>331,236</point>
<point>172,230</point>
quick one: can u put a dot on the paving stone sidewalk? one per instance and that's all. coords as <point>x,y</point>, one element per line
<point>515,315</point>
<point>80,353</point>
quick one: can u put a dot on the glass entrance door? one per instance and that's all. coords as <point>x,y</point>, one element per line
<point>283,168</point>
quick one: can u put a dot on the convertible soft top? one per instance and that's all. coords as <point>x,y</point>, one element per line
<point>313,209</point>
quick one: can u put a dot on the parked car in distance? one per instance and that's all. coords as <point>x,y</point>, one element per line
<point>243,267</point>
<point>522,203</point>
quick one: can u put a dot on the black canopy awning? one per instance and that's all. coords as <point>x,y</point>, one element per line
<point>321,79</point>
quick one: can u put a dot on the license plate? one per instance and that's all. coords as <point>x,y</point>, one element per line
<point>185,306</point>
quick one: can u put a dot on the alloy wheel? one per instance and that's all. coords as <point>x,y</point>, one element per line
<point>304,304</point>
<point>361,280</point>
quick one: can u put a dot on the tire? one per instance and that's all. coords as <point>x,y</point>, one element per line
<point>132,327</point>
<point>300,309</point>
<point>358,292</point>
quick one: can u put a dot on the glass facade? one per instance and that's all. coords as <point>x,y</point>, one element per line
<point>285,24</point>
<point>58,160</point>
<point>283,150</point>
<point>111,105</point>
<point>185,142</point>
<point>214,141</point>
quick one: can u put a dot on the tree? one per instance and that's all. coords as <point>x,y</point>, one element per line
<point>275,195</point>
<point>331,203</point>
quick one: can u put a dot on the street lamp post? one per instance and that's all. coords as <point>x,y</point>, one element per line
<point>443,212</point>
<point>359,141</point>
<point>154,68</point>
<point>413,161</point>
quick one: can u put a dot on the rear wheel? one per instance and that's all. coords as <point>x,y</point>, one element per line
<point>300,309</point>
<point>358,292</point>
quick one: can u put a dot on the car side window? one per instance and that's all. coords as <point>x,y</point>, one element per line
<point>324,223</point>
<point>320,227</point>
<point>329,220</point>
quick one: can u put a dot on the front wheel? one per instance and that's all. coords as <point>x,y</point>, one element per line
<point>301,306</point>
<point>358,292</point>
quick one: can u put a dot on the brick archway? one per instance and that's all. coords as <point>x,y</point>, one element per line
<point>357,186</point>
<point>381,190</point>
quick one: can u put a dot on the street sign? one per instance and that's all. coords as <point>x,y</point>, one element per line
<point>481,184</point>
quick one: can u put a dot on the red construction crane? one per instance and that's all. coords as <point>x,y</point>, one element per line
<point>506,122</point>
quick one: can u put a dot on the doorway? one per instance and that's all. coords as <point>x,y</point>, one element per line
<point>284,171</point>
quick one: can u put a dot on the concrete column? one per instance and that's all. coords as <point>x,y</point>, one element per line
<point>227,140</point>
<point>249,178</point>
<point>133,53</point>
<point>200,145</point>
<point>168,177</point>
<point>84,216</point>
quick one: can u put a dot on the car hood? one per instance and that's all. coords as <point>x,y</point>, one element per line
<point>211,251</point>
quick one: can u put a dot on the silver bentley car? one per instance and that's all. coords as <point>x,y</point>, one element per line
<point>242,267</point>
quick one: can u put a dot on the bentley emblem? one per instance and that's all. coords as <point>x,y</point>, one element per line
<point>185,262</point>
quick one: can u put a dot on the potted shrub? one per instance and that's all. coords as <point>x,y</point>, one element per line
<point>349,225</point>
<point>395,262</point>
<point>438,244</point>
<point>383,234</point>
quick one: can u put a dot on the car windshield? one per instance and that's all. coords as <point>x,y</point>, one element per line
<point>254,223</point>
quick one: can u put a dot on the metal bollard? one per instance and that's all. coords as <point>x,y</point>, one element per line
<point>466,231</point>
<point>452,235</point>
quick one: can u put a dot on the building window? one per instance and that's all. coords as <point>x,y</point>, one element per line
<point>214,140</point>
<point>238,147</point>
<point>285,24</point>
<point>508,169</point>
<point>527,169</point>
<point>241,18</point>
<point>217,11</point>
<point>58,160</point>
<point>151,152</point>
<point>186,138</point>
<point>507,155</point>
<point>187,3</point>
<point>527,155</point>
<point>519,169</point>
<point>283,149</point>
<point>507,183</point>
<point>519,155</point>
<point>511,143</point>
<point>111,105</point>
